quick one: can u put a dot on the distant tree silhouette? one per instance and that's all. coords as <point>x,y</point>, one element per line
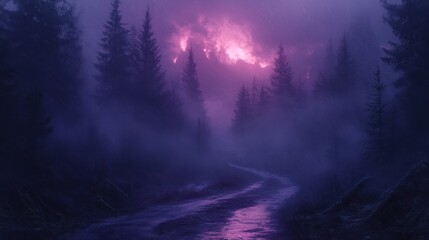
<point>410,23</point>
<point>242,112</point>
<point>134,45</point>
<point>263,103</point>
<point>113,60</point>
<point>326,76</point>
<point>364,46</point>
<point>329,61</point>
<point>338,75</point>
<point>344,72</point>
<point>194,101</point>
<point>191,84</point>
<point>282,88</point>
<point>193,94</point>
<point>47,53</point>
<point>255,91</point>
<point>376,125</point>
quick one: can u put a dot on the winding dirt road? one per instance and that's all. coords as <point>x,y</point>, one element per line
<point>246,213</point>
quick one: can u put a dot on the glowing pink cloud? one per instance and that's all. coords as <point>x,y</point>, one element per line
<point>227,41</point>
<point>184,40</point>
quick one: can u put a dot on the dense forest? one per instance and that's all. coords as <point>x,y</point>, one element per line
<point>354,142</point>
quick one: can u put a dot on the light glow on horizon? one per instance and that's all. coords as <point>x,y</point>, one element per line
<point>229,42</point>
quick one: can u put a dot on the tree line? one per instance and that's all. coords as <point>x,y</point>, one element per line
<point>47,131</point>
<point>395,128</point>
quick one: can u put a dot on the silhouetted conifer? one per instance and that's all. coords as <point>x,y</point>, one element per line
<point>242,112</point>
<point>194,101</point>
<point>376,125</point>
<point>192,92</point>
<point>113,60</point>
<point>152,97</point>
<point>409,55</point>
<point>282,88</point>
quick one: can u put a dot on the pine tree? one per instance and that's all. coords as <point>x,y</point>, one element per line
<point>194,102</point>
<point>242,112</point>
<point>152,75</point>
<point>254,92</point>
<point>47,52</point>
<point>150,94</point>
<point>344,70</point>
<point>281,80</point>
<point>409,21</point>
<point>113,60</point>
<point>134,45</point>
<point>193,94</point>
<point>376,120</point>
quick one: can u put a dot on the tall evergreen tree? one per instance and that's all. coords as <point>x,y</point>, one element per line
<point>113,60</point>
<point>193,95</point>
<point>243,111</point>
<point>150,97</point>
<point>152,74</point>
<point>376,127</point>
<point>194,103</point>
<point>282,87</point>
<point>150,93</point>
<point>47,56</point>
<point>410,55</point>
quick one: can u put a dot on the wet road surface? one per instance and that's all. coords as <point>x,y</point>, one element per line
<point>246,213</point>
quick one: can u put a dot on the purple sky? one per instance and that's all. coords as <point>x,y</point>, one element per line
<point>234,40</point>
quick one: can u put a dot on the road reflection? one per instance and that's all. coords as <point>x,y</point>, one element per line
<point>255,222</point>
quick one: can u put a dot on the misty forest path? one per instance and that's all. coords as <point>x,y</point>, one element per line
<point>246,213</point>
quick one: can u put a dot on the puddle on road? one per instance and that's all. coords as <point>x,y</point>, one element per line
<point>255,222</point>
<point>246,223</point>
